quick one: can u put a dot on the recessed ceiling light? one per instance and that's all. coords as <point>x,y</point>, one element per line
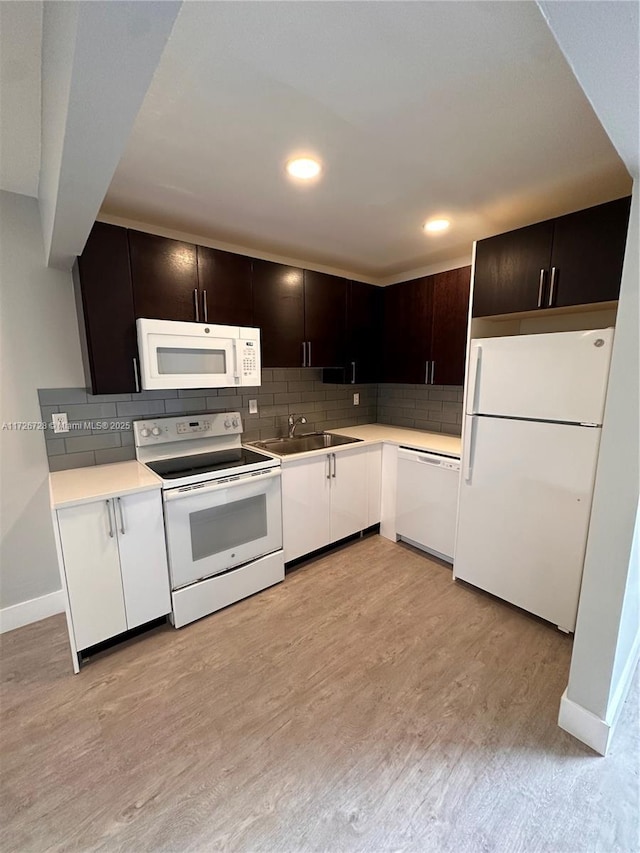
<point>303,168</point>
<point>435,225</point>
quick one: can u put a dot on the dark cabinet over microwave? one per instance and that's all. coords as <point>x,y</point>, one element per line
<point>572,260</point>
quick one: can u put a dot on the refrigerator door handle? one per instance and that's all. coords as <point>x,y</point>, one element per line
<point>476,355</point>
<point>467,448</point>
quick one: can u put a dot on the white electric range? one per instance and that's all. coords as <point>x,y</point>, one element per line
<point>222,510</point>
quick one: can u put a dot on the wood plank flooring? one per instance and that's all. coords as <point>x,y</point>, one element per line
<point>368,703</point>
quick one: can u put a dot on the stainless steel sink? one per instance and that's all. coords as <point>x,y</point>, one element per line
<point>303,443</point>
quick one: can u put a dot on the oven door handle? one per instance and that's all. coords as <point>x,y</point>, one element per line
<point>246,480</point>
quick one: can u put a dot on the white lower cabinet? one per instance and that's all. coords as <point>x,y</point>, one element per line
<point>115,565</point>
<point>326,498</point>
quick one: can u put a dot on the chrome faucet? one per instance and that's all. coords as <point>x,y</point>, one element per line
<point>293,421</point>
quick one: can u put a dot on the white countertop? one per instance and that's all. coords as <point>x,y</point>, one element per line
<point>449,445</point>
<point>436,442</point>
<point>99,482</point>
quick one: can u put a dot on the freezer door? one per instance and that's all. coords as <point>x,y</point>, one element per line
<point>555,377</point>
<point>523,517</point>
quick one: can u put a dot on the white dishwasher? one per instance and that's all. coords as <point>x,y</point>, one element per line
<point>427,499</point>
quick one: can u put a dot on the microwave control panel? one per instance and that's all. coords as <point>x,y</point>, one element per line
<point>249,362</point>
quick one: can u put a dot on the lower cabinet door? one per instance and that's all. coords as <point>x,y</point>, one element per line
<point>306,495</point>
<point>349,496</point>
<point>143,557</point>
<point>92,568</point>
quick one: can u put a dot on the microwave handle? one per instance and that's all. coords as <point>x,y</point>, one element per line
<point>189,492</point>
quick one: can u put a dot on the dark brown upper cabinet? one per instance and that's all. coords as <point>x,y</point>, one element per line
<point>364,331</point>
<point>106,318</point>
<point>363,347</point>
<point>510,270</point>
<point>572,260</point>
<point>278,311</point>
<point>224,281</point>
<point>301,314</point>
<point>165,278</point>
<point>407,331</point>
<point>449,326</point>
<point>425,329</point>
<point>325,319</point>
<point>587,256</point>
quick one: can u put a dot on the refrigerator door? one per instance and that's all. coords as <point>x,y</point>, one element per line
<point>523,516</point>
<point>554,377</point>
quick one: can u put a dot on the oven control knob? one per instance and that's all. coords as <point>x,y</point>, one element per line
<point>155,431</point>
<point>144,432</point>
<point>227,424</point>
<point>235,422</point>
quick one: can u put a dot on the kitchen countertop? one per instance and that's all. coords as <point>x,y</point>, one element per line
<point>433,441</point>
<point>99,482</point>
<point>369,434</point>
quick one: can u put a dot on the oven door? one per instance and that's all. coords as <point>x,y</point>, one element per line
<point>187,355</point>
<point>215,526</point>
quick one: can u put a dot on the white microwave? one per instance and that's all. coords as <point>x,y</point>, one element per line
<point>197,355</point>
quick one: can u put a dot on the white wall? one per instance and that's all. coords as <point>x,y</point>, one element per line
<point>607,625</point>
<point>39,348</point>
<point>600,42</point>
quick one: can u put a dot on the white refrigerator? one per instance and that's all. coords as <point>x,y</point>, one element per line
<point>534,408</point>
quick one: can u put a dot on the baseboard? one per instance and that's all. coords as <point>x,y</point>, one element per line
<point>582,724</point>
<point>31,611</point>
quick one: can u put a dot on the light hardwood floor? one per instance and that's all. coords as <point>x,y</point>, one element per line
<point>368,703</point>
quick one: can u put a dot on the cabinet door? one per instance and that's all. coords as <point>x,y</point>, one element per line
<point>588,251</point>
<point>364,328</point>
<point>306,493</point>
<point>165,278</point>
<point>92,569</point>
<point>407,330</point>
<point>278,311</point>
<point>106,318</point>
<point>225,287</point>
<point>508,268</point>
<point>325,319</point>
<point>449,332</point>
<point>143,557</point>
<point>349,498</point>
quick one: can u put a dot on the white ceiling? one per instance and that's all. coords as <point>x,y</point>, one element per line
<point>465,109</point>
<point>20,59</point>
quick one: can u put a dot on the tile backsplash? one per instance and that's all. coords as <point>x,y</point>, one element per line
<point>100,425</point>
<point>435,408</point>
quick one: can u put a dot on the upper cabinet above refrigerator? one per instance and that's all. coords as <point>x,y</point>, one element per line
<point>572,260</point>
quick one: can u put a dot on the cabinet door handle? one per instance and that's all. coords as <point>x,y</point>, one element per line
<point>308,353</point>
<point>196,304</point>
<point>541,287</point>
<point>433,371</point>
<point>205,307</point>
<point>135,375</point>
<point>353,373</point>
<point>328,466</point>
<point>552,286</point>
<point>304,353</point>
<point>426,372</point>
<point>122,529</point>
<point>109,517</point>
<point>334,465</point>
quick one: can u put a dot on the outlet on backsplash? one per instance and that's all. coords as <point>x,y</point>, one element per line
<point>356,399</point>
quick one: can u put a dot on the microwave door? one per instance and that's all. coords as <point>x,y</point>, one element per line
<point>174,361</point>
